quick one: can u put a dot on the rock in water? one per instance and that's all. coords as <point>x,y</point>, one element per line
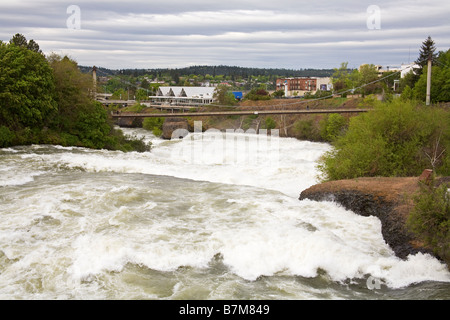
<point>175,128</point>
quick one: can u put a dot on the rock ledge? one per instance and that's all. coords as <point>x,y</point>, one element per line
<point>389,199</point>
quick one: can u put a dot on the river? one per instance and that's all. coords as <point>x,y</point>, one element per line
<point>210,216</point>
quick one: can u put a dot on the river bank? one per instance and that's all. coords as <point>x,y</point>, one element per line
<point>389,199</point>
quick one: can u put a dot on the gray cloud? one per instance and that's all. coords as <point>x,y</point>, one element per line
<point>174,33</point>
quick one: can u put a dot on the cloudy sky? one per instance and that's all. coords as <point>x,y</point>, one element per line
<point>248,33</point>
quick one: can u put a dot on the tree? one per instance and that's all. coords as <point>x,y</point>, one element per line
<point>26,86</point>
<point>368,73</point>
<point>270,123</point>
<point>427,49</point>
<point>49,101</point>
<point>21,41</point>
<point>332,126</point>
<point>341,78</point>
<point>223,95</point>
<point>141,94</point>
<point>430,218</point>
<point>440,80</point>
<point>258,94</point>
<point>72,90</point>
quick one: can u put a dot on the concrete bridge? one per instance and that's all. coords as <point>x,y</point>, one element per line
<point>235,113</point>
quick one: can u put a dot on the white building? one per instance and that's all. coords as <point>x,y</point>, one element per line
<point>407,68</point>
<point>185,96</point>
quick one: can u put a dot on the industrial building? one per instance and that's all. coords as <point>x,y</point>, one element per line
<point>300,85</point>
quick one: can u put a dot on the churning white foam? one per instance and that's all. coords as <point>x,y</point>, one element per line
<point>91,212</point>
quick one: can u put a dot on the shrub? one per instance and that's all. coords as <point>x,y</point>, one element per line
<point>153,124</point>
<point>332,126</point>
<point>395,139</point>
<point>430,218</point>
<point>258,94</point>
<point>306,130</point>
<point>270,123</point>
<point>6,137</point>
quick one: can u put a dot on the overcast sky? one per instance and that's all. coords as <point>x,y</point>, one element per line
<point>248,33</point>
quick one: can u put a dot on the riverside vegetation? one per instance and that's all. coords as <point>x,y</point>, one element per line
<point>47,100</point>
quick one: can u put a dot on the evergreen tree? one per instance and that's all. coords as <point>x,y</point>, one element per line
<point>428,48</point>
<point>20,41</point>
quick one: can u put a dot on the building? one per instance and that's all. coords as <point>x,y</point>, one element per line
<point>300,85</point>
<point>407,68</point>
<point>184,96</point>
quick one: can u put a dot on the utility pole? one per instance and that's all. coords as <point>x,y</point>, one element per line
<point>94,78</point>
<point>429,80</point>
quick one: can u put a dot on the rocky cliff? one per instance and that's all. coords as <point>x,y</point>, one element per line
<point>389,199</point>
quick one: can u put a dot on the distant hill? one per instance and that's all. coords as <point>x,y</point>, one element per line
<point>232,71</point>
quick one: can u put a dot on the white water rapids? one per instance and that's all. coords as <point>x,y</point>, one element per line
<point>199,218</point>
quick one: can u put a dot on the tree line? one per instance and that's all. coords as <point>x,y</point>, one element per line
<point>48,100</point>
<point>227,71</point>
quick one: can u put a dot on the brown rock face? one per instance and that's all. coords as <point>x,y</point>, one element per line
<point>389,199</point>
<point>175,128</point>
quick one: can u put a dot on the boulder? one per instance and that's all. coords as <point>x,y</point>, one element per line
<point>175,128</point>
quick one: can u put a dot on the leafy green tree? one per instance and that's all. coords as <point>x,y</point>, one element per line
<point>26,87</point>
<point>224,96</point>
<point>141,94</point>
<point>50,101</point>
<point>72,90</point>
<point>368,74</point>
<point>80,117</point>
<point>341,78</point>
<point>120,94</point>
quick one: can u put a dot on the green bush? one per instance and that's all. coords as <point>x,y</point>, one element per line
<point>6,137</point>
<point>258,94</point>
<point>430,218</point>
<point>395,139</point>
<point>332,126</point>
<point>153,124</point>
<point>306,130</point>
<point>270,123</point>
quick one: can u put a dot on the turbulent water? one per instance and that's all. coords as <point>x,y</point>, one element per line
<point>206,217</point>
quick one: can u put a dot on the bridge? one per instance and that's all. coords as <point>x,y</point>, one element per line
<point>235,113</point>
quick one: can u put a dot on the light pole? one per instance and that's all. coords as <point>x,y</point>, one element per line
<point>428,80</point>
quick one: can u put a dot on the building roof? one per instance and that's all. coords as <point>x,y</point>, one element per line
<point>188,92</point>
